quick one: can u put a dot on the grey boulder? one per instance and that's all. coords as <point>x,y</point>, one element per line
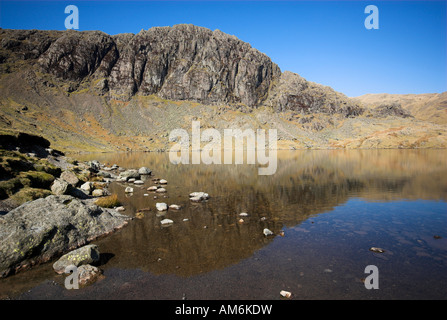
<point>144,171</point>
<point>128,174</point>
<point>46,228</point>
<point>70,178</point>
<point>59,187</point>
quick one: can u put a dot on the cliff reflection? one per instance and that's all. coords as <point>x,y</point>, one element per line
<point>208,236</point>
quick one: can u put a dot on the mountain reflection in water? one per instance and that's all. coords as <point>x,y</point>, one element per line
<point>333,205</point>
<point>306,183</point>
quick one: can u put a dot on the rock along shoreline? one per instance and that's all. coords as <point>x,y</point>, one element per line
<point>60,214</point>
<point>43,229</point>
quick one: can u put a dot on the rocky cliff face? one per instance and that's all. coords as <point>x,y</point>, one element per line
<point>183,62</point>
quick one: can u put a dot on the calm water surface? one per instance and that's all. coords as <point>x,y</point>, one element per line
<point>332,207</point>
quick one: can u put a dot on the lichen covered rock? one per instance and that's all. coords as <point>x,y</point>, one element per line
<point>46,228</point>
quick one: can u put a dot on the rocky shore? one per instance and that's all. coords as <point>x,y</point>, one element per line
<point>51,204</point>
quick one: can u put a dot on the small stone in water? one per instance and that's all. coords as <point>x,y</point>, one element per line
<point>285,294</point>
<point>267,232</point>
<point>166,221</point>
<point>195,199</point>
<point>161,206</point>
<point>377,250</point>
<point>128,190</point>
<point>198,196</point>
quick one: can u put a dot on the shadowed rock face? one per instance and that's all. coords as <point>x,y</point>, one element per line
<point>76,55</point>
<point>293,92</point>
<point>192,63</point>
<point>184,62</point>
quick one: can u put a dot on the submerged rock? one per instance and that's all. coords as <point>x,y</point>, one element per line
<point>198,196</point>
<point>88,274</point>
<point>267,232</point>
<point>43,229</point>
<point>128,190</point>
<point>166,222</point>
<point>376,250</point>
<point>285,294</point>
<point>161,206</point>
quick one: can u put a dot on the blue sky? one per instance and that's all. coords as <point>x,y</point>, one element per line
<point>323,41</point>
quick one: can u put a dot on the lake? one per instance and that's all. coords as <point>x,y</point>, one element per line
<point>326,209</point>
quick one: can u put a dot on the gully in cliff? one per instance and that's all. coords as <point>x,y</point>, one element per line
<point>211,153</point>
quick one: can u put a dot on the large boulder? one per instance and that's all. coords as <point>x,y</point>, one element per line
<point>43,229</point>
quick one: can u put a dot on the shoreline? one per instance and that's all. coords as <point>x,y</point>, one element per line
<point>68,153</point>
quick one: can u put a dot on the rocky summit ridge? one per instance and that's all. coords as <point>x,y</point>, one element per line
<point>93,91</point>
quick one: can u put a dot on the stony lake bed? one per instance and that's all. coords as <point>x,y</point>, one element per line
<point>332,213</point>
